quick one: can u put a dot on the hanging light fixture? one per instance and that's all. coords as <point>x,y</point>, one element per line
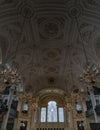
<point>91,71</point>
<point>9,72</point>
<point>89,74</point>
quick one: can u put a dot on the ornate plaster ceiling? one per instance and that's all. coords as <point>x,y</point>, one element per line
<point>49,51</point>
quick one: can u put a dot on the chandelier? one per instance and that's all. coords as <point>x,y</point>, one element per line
<point>10,77</point>
<point>90,72</point>
<point>9,72</point>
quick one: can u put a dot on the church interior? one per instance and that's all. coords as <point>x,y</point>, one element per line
<point>49,64</point>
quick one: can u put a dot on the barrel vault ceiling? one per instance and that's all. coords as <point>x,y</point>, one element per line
<point>43,37</point>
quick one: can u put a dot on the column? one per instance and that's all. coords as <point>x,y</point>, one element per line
<point>32,120</point>
<point>38,112</point>
<point>19,107</point>
<point>28,125</point>
<point>5,118</point>
<point>93,103</point>
<point>15,124</point>
<point>66,118</point>
<point>57,114</point>
<point>46,114</point>
<point>16,119</point>
<point>71,120</point>
<point>84,105</point>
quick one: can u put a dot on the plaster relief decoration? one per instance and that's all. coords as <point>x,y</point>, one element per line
<point>97,46</point>
<point>51,54</point>
<point>51,28</point>
<point>26,9</point>
<point>51,69</point>
<point>94,2</point>
<point>25,56</point>
<point>74,9</point>
<point>51,58</point>
<point>87,31</point>
<point>6,2</point>
<point>14,29</point>
<point>5,46</point>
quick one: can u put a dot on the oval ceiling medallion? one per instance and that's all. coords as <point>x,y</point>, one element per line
<point>51,28</point>
<point>26,10</point>
<point>51,54</point>
<point>75,11</point>
<point>51,69</point>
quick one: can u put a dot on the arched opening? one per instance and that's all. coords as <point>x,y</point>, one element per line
<point>51,113</point>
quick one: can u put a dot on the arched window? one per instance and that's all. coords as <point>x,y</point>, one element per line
<point>52,113</point>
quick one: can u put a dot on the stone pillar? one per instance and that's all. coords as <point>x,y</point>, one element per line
<point>39,115</point>
<point>70,117</point>
<point>90,89</point>
<point>65,116</point>
<point>16,119</point>
<point>57,114</point>
<point>5,118</point>
<point>19,107</point>
<point>28,125</point>
<point>71,120</point>
<point>33,120</point>
<point>93,105</point>
<point>46,113</point>
<point>35,116</point>
<point>15,124</point>
<point>84,105</point>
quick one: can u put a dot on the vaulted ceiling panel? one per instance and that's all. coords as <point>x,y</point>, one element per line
<point>43,37</point>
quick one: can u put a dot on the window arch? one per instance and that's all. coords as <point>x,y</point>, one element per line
<point>52,113</point>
